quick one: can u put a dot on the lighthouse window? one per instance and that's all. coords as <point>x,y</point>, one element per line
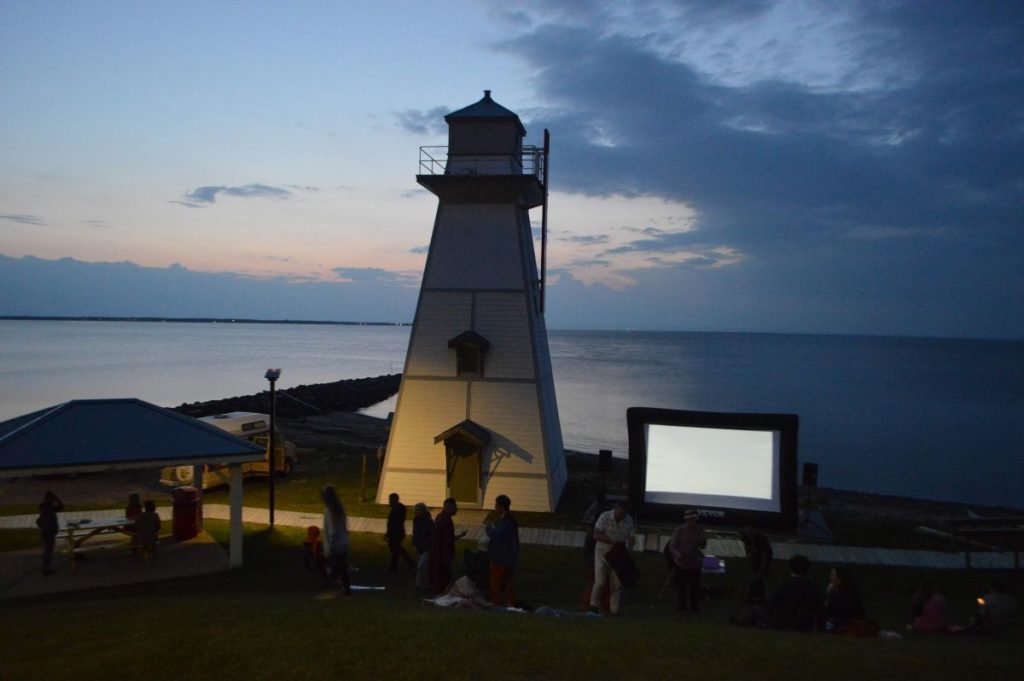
<point>469,349</point>
<point>469,360</point>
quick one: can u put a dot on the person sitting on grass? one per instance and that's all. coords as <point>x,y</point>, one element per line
<point>797,604</point>
<point>928,609</point>
<point>844,609</point>
<point>997,610</point>
<point>147,531</point>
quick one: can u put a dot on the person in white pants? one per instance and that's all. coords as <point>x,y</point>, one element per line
<point>612,527</point>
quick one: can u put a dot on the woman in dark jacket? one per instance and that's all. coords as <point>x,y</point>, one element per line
<point>843,603</point>
<point>48,527</point>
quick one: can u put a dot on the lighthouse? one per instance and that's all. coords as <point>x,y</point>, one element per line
<point>476,414</point>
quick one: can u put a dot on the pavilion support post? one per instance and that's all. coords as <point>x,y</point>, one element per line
<point>235,494</point>
<point>197,482</point>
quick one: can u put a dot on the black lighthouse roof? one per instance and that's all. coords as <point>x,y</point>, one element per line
<point>485,109</point>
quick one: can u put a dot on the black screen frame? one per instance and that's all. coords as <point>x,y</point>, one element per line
<point>787,425</point>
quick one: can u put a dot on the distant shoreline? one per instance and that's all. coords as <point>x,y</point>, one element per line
<point>192,320</point>
<point>309,322</point>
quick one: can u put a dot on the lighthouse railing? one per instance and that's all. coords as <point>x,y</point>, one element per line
<point>435,160</point>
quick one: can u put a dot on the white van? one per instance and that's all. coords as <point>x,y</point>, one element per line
<point>249,426</point>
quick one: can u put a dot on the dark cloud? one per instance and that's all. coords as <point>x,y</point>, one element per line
<point>650,231</point>
<point>420,122</point>
<point>587,239</point>
<point>594,262</point>
<point>907,168</point>
<point>207,195</point>
<point>420,250</point>
<point>22,219</point>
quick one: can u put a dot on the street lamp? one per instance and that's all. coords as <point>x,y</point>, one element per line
<point>272,375</point>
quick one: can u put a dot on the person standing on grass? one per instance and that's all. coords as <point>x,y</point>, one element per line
<point>685,548</point>
<point>442,547</point>
<point>335,538</point>
<point>422,531</point>
<point>612,528</point>
<point>395,534</point>
<point>134,506</point>
<point>49,525</point>
<point>503,551</point>
<point>759,552</point>
<point>147,530</point>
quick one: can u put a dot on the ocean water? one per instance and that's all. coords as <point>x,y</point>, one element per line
<point>930,418</point>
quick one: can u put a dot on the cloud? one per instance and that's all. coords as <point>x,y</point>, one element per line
<point>420,250</point>
<point>588,239</point>
<point>803,137</point>
<point>102,224</point>
<point>22,219</point>
<point>376,275</point>
<point>424,123</point>
<point>68,287</point>
<point>207,195</point>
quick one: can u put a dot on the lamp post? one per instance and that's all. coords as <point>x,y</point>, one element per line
<point>272,375</point>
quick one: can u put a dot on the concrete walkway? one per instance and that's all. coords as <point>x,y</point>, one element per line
<point>724,548</point>
<point>107,562</point>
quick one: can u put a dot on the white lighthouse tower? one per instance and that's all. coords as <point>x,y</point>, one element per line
<point>476,414</point>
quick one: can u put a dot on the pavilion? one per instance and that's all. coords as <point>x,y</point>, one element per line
<point>88,436</point>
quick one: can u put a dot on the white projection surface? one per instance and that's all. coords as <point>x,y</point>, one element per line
<point>721,467</point>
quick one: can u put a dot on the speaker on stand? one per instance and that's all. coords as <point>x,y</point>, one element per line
<point>809,524</point>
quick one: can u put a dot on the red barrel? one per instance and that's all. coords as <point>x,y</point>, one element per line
<point>188,513</point>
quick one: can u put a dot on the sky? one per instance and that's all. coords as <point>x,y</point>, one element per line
<point>776,166</point>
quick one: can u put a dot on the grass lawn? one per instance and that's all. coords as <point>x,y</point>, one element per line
<point>264,621</point>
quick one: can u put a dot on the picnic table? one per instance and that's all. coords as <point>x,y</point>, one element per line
<point>77,532</point>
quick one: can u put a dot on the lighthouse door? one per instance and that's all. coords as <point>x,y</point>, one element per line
<point>464,471</point>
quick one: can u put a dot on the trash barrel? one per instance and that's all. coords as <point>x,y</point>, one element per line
<point>188,513</point>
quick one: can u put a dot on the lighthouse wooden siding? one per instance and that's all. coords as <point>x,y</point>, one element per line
<point>480,276</point>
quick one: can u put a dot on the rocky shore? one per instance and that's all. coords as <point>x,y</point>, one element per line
<point>305,400</point>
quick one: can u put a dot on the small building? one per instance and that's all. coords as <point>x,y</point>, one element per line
<point>476,414</point>
<point>90,436</point>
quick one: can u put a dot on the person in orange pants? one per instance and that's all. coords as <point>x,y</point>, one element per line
<point>503,551</point>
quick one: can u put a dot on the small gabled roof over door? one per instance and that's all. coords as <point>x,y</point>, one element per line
<point>468,431</point>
